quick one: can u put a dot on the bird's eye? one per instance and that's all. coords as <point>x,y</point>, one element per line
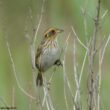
<point>53,31</point>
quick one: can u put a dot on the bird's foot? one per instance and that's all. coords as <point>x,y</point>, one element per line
<point>58,63</point>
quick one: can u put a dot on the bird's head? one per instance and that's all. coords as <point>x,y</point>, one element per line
<point>51,33</point>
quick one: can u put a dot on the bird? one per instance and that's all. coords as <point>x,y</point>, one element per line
<point>48,53</point>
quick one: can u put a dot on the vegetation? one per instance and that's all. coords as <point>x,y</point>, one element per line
<point>83,81</point>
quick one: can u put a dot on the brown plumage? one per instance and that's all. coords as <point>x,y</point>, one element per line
<point>48,53</point>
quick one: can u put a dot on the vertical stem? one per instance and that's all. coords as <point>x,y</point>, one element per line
<point>92,54</point>
<point>96,28</point>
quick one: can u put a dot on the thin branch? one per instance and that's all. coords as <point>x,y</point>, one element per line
<point>51,103</point>
<point>101,56</point>
<point>47,97</point>
<point>75,74</point>
<point>67,80</point>
<point>84,12</point>
<point>79,39</point>
<point>48,108</point>
<point>101,44</point>
<point>15,73</point>
<point>85,28</point>
<point>96,21</point>
<point>39,23</point>
<point>92,103</point>
<point>51,77</point>
<point>99,78</point>
<point>64,70</point>
<point>45,100</point>
<point>80,77</point>
<point>33,41</point>
<point>65,97</point>
<point>105,48</point>
<point>82,68</point>
<point>105,13</point>
<point>74,61</point>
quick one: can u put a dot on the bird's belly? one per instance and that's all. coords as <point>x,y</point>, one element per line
<point>48,58</point>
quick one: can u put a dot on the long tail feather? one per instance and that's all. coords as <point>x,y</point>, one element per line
<point>39,80</point>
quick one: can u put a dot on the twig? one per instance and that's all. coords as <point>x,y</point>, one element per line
<point>85,13</point>
<point>91,55</point>
<point>96,21</point>
<point>48,99</point>
<point>101,44</point>
<point>101,56</point>
<point>65,97</point>
<point>77,100</point>
<point>52,75</point>
<point>32,42</point>
<point>105,48</point>
<point>75,73</point>
<point>79,39</point>
<point>48,108</point>
<point>99,82</point>
<point>39,23</point>
<point>66,80</point>
<point>105,13</point>
<point>45,100</point>
<point>15,73</point>
<point>64,71</point>
<point>82,68</point>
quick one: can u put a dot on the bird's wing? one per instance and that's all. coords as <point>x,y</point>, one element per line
<point>39,51</point>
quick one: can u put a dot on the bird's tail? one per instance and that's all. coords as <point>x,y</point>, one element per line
<point>39,80</point>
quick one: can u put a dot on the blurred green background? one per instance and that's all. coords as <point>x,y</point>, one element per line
<point>18,16</point>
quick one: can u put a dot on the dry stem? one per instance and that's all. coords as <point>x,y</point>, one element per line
<point>15,73</point>
<point>91,55</point>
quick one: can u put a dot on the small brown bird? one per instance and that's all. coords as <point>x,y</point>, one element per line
<point>48,53</point>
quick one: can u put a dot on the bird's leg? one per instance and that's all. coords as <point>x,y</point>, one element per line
<point>58,63</point>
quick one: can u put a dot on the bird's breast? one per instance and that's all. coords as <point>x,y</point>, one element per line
<point>50,55</point>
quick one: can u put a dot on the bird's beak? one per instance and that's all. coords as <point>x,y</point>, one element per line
<point>60,31</point>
